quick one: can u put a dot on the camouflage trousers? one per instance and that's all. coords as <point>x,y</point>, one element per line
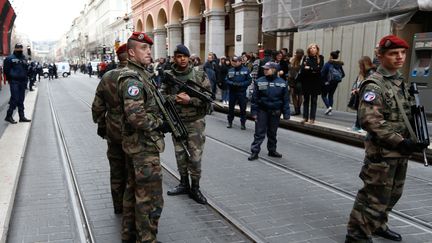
<point>195,146</point>
<point>383,185</point>
<point>143,201</point>
<point>118,174</point>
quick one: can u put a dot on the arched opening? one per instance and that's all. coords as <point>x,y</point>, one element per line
<point>177,13</point>
<point>162,19</point>
<point>149,23</point>
<point>195,8</point>
<point>139,26</point>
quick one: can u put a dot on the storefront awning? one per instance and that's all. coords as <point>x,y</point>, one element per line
<point>293,15</point>
<point>7,19</point>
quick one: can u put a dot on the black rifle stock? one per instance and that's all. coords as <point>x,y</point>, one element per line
<point>171,116</point>
<point>419,121</point>
<point>192,89</point>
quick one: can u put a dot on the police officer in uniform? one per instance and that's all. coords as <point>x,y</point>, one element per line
<point>142,141</point>
<point>107,114</point>
<point>15,68</point>
<point>388,144</point>
<point>192,111</point>
<point>238,79</point>
<point>270,99</point>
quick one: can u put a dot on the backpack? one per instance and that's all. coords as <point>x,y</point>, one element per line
<point>334,75</point>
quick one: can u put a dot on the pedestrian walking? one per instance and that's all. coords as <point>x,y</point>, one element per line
<point>50,71</point>
<point>55,70</point>
<point>310,78</point>
<point>143,141</point>
<point>270,99</point>
<point>331,74</point>
<point>192,111</point>
<point>32,72</point>
<point>384,112</point>
<point>225,65</point>
<point>294,82</point>
<point>211,67</point>
<point>107,114</point>
<point>238,80</point>
<point>89,69</point>
<point>366,68</point>
<point>15,68</point>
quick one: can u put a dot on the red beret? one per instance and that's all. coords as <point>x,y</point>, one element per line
<point>392,42</point>
<point>121,49</point>
<point>141,37</point>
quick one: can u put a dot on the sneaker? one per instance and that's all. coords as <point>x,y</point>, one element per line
<point>355,129</point>
<point>328,110</point>
<point>329,114</point>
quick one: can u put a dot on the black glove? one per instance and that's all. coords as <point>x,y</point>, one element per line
<point>101,131</point>
<point>164,128</point>
<point>408,146</point>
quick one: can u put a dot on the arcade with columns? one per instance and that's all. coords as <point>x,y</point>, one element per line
<point>225,27</point>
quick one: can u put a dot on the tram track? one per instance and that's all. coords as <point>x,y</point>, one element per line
<point>249,233</point>
<point>85,232</point>
<point>418,223</point>
<point>231,220</point>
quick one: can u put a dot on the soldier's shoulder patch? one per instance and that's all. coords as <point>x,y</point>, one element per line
<point>133,91</point>
<point>369,96</point>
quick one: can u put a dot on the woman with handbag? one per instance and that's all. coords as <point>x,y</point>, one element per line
<point>366,69</point>
<point>310,76</point>
<point>293,81</point>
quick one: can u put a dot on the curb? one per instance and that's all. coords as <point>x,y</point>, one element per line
<point>326,130</point>
<point>12,149</point>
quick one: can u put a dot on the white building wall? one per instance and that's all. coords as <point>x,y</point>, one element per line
<point>353,41</point>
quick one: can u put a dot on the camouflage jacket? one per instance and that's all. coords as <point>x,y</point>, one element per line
<point>106,106</point>
<point>196,109</point>
<point>141,116</point>
<point>380,116</point>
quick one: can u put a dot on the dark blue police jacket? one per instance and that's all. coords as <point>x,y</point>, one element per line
<point>15,68</point>
<point>270,93</point>
<point>238,79</point>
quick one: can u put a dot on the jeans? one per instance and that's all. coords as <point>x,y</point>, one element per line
<point>328,93</point>
<point>225,95</point>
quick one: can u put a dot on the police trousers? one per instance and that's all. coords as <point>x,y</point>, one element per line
<point>241,99</point>
<point>383,185</point>
<point>267,123</point>
<point>17,89</point>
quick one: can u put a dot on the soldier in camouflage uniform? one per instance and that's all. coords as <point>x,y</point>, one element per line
<point>143,140</point>
<point>388,144</point>
<point>106,113</point>
<point>192,111</point>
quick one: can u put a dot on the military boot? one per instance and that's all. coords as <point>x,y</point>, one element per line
<point>196,194</point>
<point>182,188</point>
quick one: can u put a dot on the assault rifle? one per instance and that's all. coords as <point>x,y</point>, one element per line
<point>419,121</point>
<point>171,116</point>
<point>192,89</point>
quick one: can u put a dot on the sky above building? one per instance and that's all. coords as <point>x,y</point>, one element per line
<point>45,20</point>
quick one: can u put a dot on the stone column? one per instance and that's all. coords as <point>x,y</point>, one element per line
<point>160,36</point>
<point>215,33</point>
<point>191,28</point>
<point>151,35</point>
<point>246,26</point>
<point>174,37</point>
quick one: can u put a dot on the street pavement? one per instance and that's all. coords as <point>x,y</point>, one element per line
<point>280,200</point>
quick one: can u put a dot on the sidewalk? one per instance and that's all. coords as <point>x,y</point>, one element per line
<point>336,127</point>
<point>13,143</point>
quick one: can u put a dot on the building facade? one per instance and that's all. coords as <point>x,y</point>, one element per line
<point>225,27</point>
